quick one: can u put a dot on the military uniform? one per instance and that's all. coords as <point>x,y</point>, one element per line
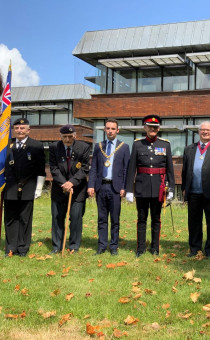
<point>79,168</point>
<point>151,162</point>
<point>22,168</point>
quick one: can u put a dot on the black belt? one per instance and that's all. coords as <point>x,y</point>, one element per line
<point>106,181</point>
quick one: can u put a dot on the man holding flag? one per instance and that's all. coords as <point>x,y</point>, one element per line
<point>24,175</point>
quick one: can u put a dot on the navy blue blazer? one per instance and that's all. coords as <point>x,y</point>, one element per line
<point>119,169</point>
<point>187,171</point>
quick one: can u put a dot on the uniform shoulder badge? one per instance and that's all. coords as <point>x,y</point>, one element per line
<point>136,140</point>
<point>78,165</point>
<point>165,140</point>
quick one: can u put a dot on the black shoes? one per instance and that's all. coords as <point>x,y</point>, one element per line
<point>100,251</point>
<point>191,254</point>
<point>113,252</point>
<point>54,251</point>
<point>140,253</point>
<point>22,254</point>
<point>154,252</point>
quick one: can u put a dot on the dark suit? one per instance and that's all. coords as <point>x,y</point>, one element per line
<point>108,195</point>
<point>146,156</point>
<point>197,203</point>
<point>79,168</point>
<point>21,180</point>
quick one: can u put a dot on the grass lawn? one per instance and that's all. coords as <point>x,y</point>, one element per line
<point>49,297</point>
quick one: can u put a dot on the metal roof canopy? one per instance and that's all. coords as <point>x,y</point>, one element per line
<point>202,57</point>
<point>173,59</point>
<point>140,128</point>
<point>182,37</point>
<point>39,108</point>
<point>193,128</point>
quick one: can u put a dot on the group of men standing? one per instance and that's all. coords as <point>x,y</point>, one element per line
<point>113,174</point>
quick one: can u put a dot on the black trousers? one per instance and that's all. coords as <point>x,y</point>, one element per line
<point>143,205</point>
<point>108,202</point>
<point>197,204</point>
<point>59,210</point>
<point>18,225</point>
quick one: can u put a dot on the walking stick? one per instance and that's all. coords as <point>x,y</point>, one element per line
<point>1,212</point>
<point>66,223</point>
<point>172,220</point>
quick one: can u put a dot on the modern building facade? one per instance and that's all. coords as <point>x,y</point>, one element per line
<point>49,107</point>
<point>161,69</point>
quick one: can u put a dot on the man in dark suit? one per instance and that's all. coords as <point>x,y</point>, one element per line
<point>196,189</point>
<point>108,179</point>
<point>151,167</point>
<point>25,175</point>
<point>69,166</point>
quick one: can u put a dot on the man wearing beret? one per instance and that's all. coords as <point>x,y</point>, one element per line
<point>25,175</point>
<point>69,166</point>
<point>151,169</point>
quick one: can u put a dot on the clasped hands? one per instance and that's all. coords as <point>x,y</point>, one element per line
<point>67,187</point>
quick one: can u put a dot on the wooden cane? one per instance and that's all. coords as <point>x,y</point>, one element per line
<point>66,223</point>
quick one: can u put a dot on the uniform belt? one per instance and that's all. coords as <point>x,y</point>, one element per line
<point>106,181</point>
<point>152,171</point>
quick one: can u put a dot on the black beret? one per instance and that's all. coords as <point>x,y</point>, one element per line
<point>152,120</point>
<point>67,129</point>
<point>21,121</point>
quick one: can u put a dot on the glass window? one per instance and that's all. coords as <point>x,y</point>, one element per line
<point>177,122</point>
<point>175,79</point>
<point>101,78</point>
<point>109,84</point>
<point>33,118</point>
<point>177,141</point>
<point>149,80</point>
<point>15,116</point>
<point>46,118</point>
<point>203,77</point>
<point>124,81</point>
<point>61,118</point>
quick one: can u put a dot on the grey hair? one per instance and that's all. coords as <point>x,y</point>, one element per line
<point>206,122</point>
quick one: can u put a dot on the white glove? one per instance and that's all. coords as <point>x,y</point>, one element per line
<point>170,196</point>
<point>39,186</point>
<point>129,196</point>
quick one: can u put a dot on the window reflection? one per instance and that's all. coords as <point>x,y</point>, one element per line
<point>124,81</point>
<point>203,77</point>
<point>149,80</point>
<point>175,79</point>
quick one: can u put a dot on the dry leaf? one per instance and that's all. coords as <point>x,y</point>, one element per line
<point>47,315</point>
<point>207,307</point>
<point>88,295</point>
<point>130,320</point>
<point>168,313</point>
<point>121,264</point>
<point>194,296</point>
<point>0,309</point>
<point>136,289</point>
<point>69,296</point>
<point>110,266</point>
<point>40,244</point>
<point>87,316</point>
<point>197,280</point>
<point>99,264</point>
<point>150,291</point>
<point>137,296</point>
<point>124,299</point>
<point>166,306</point>
<point>64,319</point>
<point>10,253</point>
<point>51,273</point>
<point>90,330</point>
<point>91,280</point>
<point>158,278</point>
<point>22,315</point>
<point>155,325</point>
<point>66,270</point>
<point>173,255</point>
<point>158,259</point>
<point>11,316</point>
<point>55,292</point>
<point>206,325</point>
<point>142,303</point>
<point>17,288</point>
<point>174,290</point>
<point>138,283</point>
<point>24,291</point>
<point>184,316</point>
<point>189,275</point>
<point>118,334</point>
<point>31,256</point>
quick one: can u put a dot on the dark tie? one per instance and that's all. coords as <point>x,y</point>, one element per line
<point>105,169</point>
<point>19,146</point>
<point>202,146</point>
<point>68,159</point>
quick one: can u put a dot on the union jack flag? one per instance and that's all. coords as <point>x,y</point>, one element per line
<point>5,127</point>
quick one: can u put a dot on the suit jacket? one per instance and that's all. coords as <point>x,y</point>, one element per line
<point>29,162</point>
<point>150,155</point>
<point>119,169</point>
<point>187,170</point>
<point>78,171</point>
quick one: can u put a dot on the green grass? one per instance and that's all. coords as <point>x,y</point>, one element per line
<point>109,285</point>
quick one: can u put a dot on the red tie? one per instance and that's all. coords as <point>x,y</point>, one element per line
<point>68,159</point>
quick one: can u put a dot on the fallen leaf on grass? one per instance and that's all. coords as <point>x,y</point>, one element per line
<point>64,319</point>
<point>150,291</point>
<point>55,292</point>
<point>6,280</point>
<point>130,320</point>
<point>189,275</point>
<point>31,256</point>
<point>152,326</point>
<point>194,296</point>
<point>207,307</point>
<point>173,255</point>
<point>168,313</point>
<point>174,290</point>
<point>88,295</point>
<point>136,289</point>
<point>110,266</point>
<point>124,299</point>
<point>166,306</point>
<point>158,259</point>
<point>158,278</point>
<point>69,296</point>
<point>17,288</point>
<point>121,264</point>
<point>91,330</point>
<point>51,273</point>
<point>137,296</point>
<point>40,244</point>
<point>138,283</point>
<point>47,315</point>
<point>184,316</point>
<point>66,270</point>
<point>118,334</point>
<point>197,280</point>
<point>87,316</point>
<point>0,309</point>
<point>91,280</point>
<point>15,316</point>
<point>206,325</point>
<point>24,291</point>
<point>99,264</point>
<point>10,253</point>
<point>144,304</point>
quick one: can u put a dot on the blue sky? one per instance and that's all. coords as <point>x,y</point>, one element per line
<point>40,35</point>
